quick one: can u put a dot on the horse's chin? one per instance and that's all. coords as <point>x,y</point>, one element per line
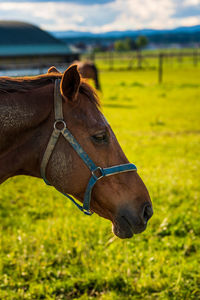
<point>122,233</point>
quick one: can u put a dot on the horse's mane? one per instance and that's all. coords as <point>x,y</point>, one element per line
<point>24,84</point>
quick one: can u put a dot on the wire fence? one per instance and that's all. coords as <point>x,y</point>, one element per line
<point>113,61</point>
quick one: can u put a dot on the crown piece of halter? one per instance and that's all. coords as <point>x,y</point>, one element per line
<point>96,172</point>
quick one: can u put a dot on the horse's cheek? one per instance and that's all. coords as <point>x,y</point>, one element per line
<point>60,168</point>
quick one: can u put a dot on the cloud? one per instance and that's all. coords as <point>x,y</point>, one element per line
<point>191,2</point>
<point>107,16</point>
<point>187,8</point>
<point>188,11</point>
<point>83,2</point>
<point>59,16</point>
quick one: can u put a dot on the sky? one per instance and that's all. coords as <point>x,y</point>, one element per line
<point>102,15</point>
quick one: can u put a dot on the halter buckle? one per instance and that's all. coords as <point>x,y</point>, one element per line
<point>59,122</point>
<point>97,171</point>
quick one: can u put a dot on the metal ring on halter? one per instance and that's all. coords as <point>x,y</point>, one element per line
<point>97,177</point>
<point>57,122</point>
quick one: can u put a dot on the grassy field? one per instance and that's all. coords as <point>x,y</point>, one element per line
<point>49,250</point>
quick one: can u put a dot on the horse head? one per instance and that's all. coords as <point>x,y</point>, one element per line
<point>122,198</point>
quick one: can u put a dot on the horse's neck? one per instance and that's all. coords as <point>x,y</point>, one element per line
<point>20,133</point>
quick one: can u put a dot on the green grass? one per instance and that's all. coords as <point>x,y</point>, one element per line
<point>49,250</point>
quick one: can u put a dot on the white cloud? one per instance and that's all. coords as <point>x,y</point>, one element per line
<point>141,14</point>
<point>190,21</point>
<point>191,2</point>
<point>116,15</point>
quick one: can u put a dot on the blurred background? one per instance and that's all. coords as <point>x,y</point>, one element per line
<point>147,57</point>
<point>114,34</point>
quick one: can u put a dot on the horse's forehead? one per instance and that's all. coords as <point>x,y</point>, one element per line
<point>97,119</point>
<point>98,116</point>
<point>90,111</point>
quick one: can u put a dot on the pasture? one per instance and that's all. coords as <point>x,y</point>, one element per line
<point>49,250</point>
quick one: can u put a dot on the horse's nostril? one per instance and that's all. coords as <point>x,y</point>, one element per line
<point>147,212</point>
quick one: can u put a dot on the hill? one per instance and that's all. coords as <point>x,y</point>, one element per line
<point>181,35</point>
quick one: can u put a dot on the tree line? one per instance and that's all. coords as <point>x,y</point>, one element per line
<point>129,44</point>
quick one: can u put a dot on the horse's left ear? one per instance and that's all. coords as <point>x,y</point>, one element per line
<point>53,70</point>
<point>70,83</point>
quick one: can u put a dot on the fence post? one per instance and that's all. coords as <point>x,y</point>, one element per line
<point>111,60</point>
<point>160,68</point>
<point>195,57</point>
<point>139,57</point>
<point>180,58</point>
<point>92,56</point>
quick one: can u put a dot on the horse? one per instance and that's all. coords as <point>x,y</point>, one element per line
<point>52,127</point>
<point>89,70</point>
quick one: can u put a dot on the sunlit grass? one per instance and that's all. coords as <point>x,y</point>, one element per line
<point>49,250</point>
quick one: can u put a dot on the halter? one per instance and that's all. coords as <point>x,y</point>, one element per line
<point>96,172</point>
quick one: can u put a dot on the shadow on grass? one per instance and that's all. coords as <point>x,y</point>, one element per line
<point>190,85</point>
<point>133,84</point>
<point>137,84</point>
<point>170,86</point>
<point>115,98</point>
<point>111,105</point>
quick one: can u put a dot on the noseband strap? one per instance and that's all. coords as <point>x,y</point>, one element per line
<point>60,128</point>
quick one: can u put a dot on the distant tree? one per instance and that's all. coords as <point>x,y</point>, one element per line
<point>141,42</point>
<point>125,45</point>
<point>119,45</point>
<point>129,44</point>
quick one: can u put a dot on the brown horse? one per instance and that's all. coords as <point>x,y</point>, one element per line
<point>27,115</point>
<point>89,70</point>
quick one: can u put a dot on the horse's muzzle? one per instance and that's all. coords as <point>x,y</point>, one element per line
<point>128,222</point>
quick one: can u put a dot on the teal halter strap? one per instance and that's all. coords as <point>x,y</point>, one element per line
<point>97,172</point>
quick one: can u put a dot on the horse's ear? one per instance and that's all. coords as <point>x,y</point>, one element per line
<point>70,83</point>
<point>53,70</point>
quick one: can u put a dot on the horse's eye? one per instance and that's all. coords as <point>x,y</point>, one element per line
<point>100,138</point>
